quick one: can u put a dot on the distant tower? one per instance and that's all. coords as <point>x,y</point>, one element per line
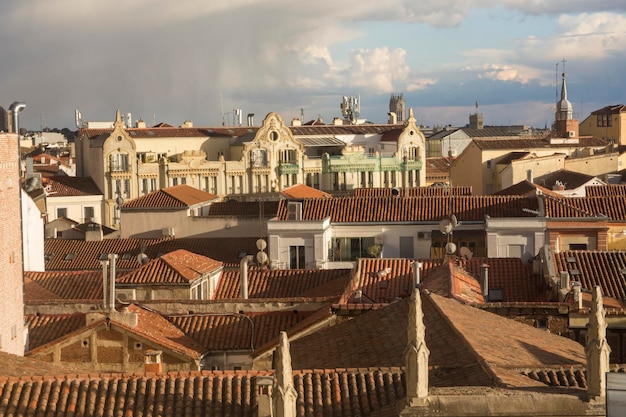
<point>565,125</point>
<point>351,108</point>
<point>397,106</point>
<point>4,120</point>
<point>476,120</point>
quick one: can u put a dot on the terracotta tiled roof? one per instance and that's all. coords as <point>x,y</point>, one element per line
<point>528,143</point>
<point>87,253</point>
<point>63,285</point>
<point>62,186</point>
<point>332,130</point>
<point>333,393</point>
<point>465,190</point>
<point>606,269</point>
<point>606,190</point>
<point>386,280</point>
<point>613,207</point>
<point>303,191</point>
<point>46,328</point>
<point>526,189</point>
<point>14,367</point>
<point>284,283</point>
<point>228,332</point>
<point>451,280</point>
<point>467,346</point>
<point>569,179</point>
<point>612,109</point>
<point>178,196</point>
<point>411,209</point>
<point>177,267</point>
<point>263,209</point>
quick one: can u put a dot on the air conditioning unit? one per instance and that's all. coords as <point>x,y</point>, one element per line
<point>168,232</point>
<point>423,235</point>
<point>571,133</point>
<point>294,211</point>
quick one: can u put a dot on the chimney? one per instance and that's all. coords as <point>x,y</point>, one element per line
<point>530,176</point>
<point>111,296</point>
<point>417,268</point>
<point>187,124</point>
<point>295,122</point>
<point>484,281</point>
<point>15,109</point>
<point>140,124</point>
<point>264,396</point>
<point>337,121</point>
<point>577,295</point>
<point>250,119</point>
<point>152,361</point>
<point>243,272</point>
<point>105,282</point>
<point>393,118</point>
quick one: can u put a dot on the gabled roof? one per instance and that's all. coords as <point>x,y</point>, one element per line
<point>284,283</point>
<point>15,367</point>
<point>87,254</point>
<point>299,191</point>
<point>612,109</point>
<point>173,268</point>
<point>609,207</point>
<point>512,156</point>
<point>411,209</point>
<point>150,326</point>
<point>606,269</point>
<point>388,280</point>
<point>176,197</point>
<point>569,179</point>
<point>62,186</point>
<point>468,346</point>
<point>45,328</point>
<point>230,332</point>
<point>333,393</point>
<point>63,285</point>
<point>452,281</point>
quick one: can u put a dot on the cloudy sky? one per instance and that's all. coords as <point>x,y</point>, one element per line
<point>168,61</point>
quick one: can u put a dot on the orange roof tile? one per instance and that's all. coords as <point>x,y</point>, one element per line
<point>299,191</point>
<point>45,328</point>
<point>176,267</point>
<point>611,207</point>
<point>605,190</point>
<point>411,209</point>
<point>465,190</point>
<point>333,393</point>
<point>63,285</point>
<point>86,254</point>
<point>63,186</point>
<point>179,196</point>
<point>451,280</point>
<point>284,283</point>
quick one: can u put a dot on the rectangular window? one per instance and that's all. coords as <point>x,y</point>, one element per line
<point>296,257</point>
<point>89,214</point>
<point>349,249</point>
<point>406,247</point>
<point>174,181</point>
<point>489,164</point>
<point>61,212</point>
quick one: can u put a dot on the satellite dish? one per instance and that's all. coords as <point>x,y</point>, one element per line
<point>261,257</point>
<point>445,226</point>
<point>465,252</point>
<point>395,191</point>
<point>453,221</point>
<point>450,248</point>
<point>261,244</point>
<point>142,259</point>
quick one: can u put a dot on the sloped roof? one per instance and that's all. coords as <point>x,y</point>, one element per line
<point>62,285</point>
<point>450,280</point>
<point>176,197</point>
<point>533,143</point>
<point>45,328</point>
<point>284,283</point>
<point>303,191</point>
<point>611,207</point>
<point>15,367</point>
<point>63,186</point>
<point>606,190</point>
<point>227,332</point>
<point>387,280</point>
<point>570,179</point>
<point>468,346</point>
<point>411,209</point>
<point>173,268</point>
<point>612,109</point>
<point>526,189</point>
<point>87,253</point>
<point>464,190</point>
<point>334,393</point>
<point>606,269</point>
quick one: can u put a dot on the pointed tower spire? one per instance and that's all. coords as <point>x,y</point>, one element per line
<point>416,353</point>
<point>284,394</point>
<point>597,349</point>
<point>564,109</point>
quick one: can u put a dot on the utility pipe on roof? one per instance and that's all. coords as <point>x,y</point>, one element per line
<point>243,272</point>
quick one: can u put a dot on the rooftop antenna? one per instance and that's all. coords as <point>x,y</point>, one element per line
<point>302,114</point>
<point>222,109</point>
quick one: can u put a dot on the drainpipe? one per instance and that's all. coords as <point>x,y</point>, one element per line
<point>243,271</point>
